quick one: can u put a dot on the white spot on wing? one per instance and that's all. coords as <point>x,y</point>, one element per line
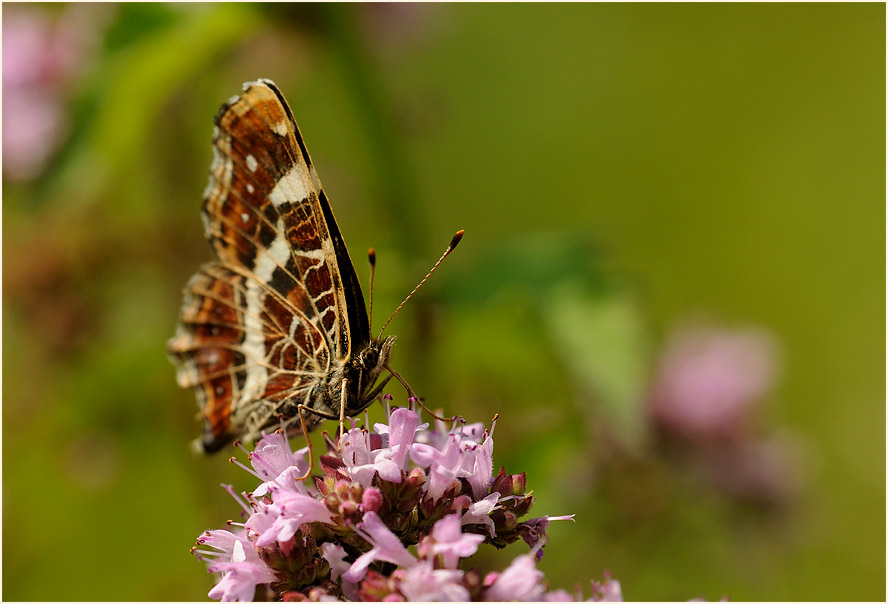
<point>252,164</point>
<point>313,254</point>
<point>273,256</point>
<point>281,128</point>
<point>250,188</point>
<point>293,186</point>
<point>245,217</point>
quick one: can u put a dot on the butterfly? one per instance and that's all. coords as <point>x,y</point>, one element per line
<point>276,328</point>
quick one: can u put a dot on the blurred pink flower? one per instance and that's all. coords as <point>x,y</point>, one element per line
<point>708,382</point>
<point>520,581</point>
<point>43,53</point>
<point>607,591</point>
<point>423,583</point>
<point>704,398</point>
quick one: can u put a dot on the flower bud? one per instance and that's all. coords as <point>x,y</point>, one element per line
<point>371,500</point>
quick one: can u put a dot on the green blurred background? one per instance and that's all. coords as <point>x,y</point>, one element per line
<point>619,170</point>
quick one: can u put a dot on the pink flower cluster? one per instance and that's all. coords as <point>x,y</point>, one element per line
<point>391,519</point>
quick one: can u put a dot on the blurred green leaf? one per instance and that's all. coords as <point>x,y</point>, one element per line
<point>590,320</point>
<point>530,266</point>
<point>135,20</point>
<point>603,344</point>
<point>122,103</point>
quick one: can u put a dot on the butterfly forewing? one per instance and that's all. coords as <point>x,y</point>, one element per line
<point>275,321</point>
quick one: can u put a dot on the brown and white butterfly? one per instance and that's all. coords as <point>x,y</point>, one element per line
<point>277,326</point>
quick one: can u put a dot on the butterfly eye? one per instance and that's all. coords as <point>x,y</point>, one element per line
<point>369,358</point>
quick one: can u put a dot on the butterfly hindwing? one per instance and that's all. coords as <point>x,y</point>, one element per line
<point>206,347</point>
<point>243,365</point>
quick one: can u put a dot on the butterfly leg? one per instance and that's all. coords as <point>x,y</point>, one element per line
<point>301,410</point>
<point>342,413</point>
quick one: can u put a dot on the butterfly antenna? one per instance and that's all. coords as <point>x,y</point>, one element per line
<point>371,255</point>
<point>453,243</point>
